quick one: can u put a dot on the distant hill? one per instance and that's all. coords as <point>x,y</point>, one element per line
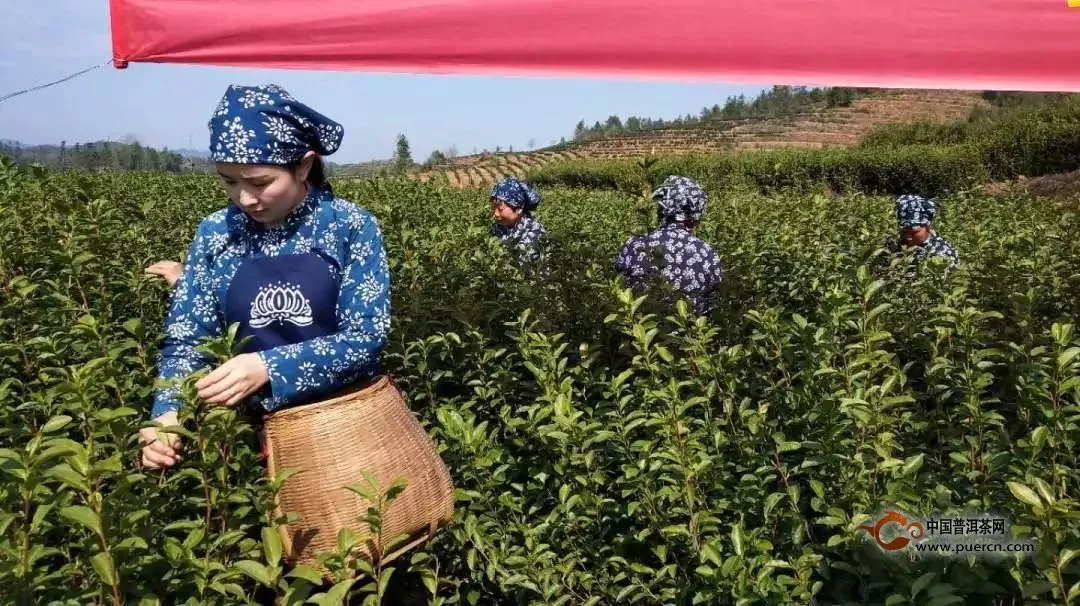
<point>365,170</point>
<point>98,155</point>
<point>813,125</point>
<point>202,154</point>
<point>784,117</point>
<point>112,155</point>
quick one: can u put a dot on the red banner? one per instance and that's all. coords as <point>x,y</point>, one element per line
<point>968,44</point>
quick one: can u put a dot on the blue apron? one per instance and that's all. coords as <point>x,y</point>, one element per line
<point>280,301</point>
<point>283,300</point>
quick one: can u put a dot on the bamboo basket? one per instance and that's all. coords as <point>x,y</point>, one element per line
<point>333,441</point>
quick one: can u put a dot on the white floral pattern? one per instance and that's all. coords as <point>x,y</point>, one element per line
<point>684,261</point>
<point>914,211</point>
<point>680,200</point>
<point>934,246</point>
<point>526,238</point>
<point>265,125</point>
<point>253,97</point>
<point>516,194</point>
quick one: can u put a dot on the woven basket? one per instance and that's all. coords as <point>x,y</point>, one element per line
<point>333,442</point>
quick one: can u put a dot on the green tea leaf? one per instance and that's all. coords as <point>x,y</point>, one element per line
<point>384,580</point>
<point>307,573</point>
<point>1024,494</point>
<point>737,538</point>
<point>1066,358</point>
<point>1044,491</point>
<point>56,424</point>
<point>711,552</point>
<point>336,596</point>
<point>1038,438</point>
<point>103,566</point>
<point>255,570</point>
<point>83,516</point>
<point>1066,556</point>
<point>272,548</point>
<point>912,465</point>
<point>922,583</point>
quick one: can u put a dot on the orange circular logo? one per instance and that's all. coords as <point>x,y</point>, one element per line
<point>914,531</point>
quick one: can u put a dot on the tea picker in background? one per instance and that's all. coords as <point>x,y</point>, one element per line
<point>914,215</point>
<point>672,254</point>
<point>303,272</point>
<point>512,204</point>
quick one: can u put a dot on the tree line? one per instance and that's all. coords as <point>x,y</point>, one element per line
<point>100,155</point>
<point>774,103</point>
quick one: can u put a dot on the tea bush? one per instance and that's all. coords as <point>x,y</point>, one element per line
<point>929,170</point>
<point>604,450</point>
<point>926,158</point>
<point>1035,138</point>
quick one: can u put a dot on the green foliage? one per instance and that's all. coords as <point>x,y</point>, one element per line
<point>1031,138</point>
<point>776,102</point>
<point>97,155</point>
<point>604,450</point>
<point>402,155</point>
<point>925,169</point>
<point>437,158</point>
<point>1025,136</point>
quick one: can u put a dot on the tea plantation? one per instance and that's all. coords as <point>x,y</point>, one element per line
<point>604,450</point>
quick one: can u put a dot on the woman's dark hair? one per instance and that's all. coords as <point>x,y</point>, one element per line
<point>317,175</point>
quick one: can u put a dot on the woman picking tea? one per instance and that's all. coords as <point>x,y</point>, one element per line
<point>302,271</point>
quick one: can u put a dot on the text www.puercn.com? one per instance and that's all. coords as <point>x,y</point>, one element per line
<point>976,547</point>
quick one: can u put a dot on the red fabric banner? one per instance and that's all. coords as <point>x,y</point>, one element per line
<point>956,44</point>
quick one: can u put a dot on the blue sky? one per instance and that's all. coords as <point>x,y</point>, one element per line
<point>168,105</point>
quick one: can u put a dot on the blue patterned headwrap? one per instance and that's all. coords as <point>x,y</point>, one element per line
<point>680,200</point>
<point>266,125</point>
<point>534,198</point>
<point>913,211</point>
<point>516,194</point>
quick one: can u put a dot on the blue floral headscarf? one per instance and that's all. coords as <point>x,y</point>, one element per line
<point>914,211</point>
<point>266,125</point>
<point>680,200</point>
<point>516,194</point>
<point>534,197</point>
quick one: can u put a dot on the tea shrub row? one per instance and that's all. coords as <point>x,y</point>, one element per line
<point>922,169</point>
<point>602,454</point>
<point>923,158</point>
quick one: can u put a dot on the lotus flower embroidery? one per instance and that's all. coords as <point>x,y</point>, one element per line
<point>281,303</point>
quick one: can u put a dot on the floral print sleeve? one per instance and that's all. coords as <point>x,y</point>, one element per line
<point>322,365</point>
<point>193,315</point>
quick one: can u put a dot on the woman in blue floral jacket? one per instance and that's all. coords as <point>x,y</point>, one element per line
<point>914,215</point>
<point>672,255</point>
<point>303,272</point>
<point>512,204</point>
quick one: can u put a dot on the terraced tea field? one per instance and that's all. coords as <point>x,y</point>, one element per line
<point>835,127</point>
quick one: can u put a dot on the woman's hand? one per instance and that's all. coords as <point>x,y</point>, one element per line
<point>234,380</point>
<point>160,449</point>
<point>170,270</point>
